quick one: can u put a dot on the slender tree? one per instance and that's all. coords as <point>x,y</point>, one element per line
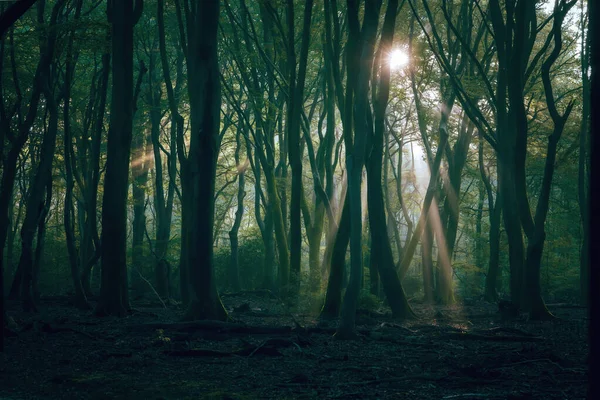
<point>204,90</point>
<point>114,297</point>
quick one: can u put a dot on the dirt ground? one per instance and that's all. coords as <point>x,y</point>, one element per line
<point>267,352</point>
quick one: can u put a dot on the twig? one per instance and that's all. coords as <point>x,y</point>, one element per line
<point>151,287</point>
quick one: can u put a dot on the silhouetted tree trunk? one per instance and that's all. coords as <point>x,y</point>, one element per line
<point>533,301</point>
<point>457,157</point>
<point>178,121</point>
<point>80,299</point>
<point>40,243</point>
<point>333,297</point>
<point>295,104</point>
<point>275,177</point>
<point>205,106</point>
<point>140,167</point>
<point>432,187</point>
<point>427,263</point>
<point>495,212</point>
<point>234,265</point>
<point>35,200</point>
<point>114,297</point>
<point>163,203</point>
<point>43,175</point>
<point>13,13</point>
<point>90,240</point>
<point>381,249</point>
<point>19,138</point>
<point>355,156</point>
<point>583,175</point>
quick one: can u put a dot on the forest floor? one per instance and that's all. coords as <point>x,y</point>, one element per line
<point>459,352</point>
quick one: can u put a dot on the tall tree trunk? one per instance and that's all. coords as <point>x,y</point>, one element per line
<point>114,296</point>
<point>205,107</point>
<point>18,141</point>
<point>533,301</point>
<point>90,243</point>
<point>140,166</point>
<point>495,211</point>
<point>178,121</point>
<point>427,263</point>
<point>163,204</point>
<point>583,174</point>
<point>457,157</point>
<point>40,243</point>
<point>35,202</point>
<point>333,297</point>
<point>295,106</point>
<point>381,247</point>
<point>80,299</point>
<point>432,187</point>
<point>234,265</point>
<point>355,162</point>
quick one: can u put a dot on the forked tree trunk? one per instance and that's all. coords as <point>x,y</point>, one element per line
<point>35,200</point>
<point>294,109</point>
<point>333,296</point>
<point>178,142</point>
<point>355,162</point>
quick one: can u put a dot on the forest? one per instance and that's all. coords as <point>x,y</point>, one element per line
<point>238,199</point>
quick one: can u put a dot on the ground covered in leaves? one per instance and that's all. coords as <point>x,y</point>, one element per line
<point>468,351</point>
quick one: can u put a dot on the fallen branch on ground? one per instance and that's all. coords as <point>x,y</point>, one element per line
<point>494,338</point>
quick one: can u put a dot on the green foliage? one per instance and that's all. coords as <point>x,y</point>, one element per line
<point>369,302</point>
<point>412,285</point>
<point>251,259</point>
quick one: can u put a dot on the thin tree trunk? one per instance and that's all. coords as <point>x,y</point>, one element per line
<point>294,108</point>
<point>80,299</point>
<point>427,263</point>
<point>355,163</point>
<point>583,174</point>
<point>333,296</point>
<point>234,266</point>
<point>40,242</point>
<point>140,166</point>
<point>495,210</point>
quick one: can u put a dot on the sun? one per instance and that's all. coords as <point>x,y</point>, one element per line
<point>398,59</point>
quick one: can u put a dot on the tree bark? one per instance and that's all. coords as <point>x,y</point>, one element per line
<point>333,296</point>
<point>114,296</point>
<point>205,106</point>
<point>234,265</point>
<point>295,105</point>
<point>427,264</point>
<point>355,162</point>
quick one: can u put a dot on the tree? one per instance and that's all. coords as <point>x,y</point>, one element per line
<point>381,249</point>
<point>13,13</point>
<point>234,277</point>
<point>114,297</point>
<point>19,138</point>
<point>205,107</point>
<point>294,106</point>
<point>355,162</point>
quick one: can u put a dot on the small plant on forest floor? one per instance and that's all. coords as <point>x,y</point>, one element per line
<point>369,302</point>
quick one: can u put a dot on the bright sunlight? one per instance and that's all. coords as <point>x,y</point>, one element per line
<point>398,59</point>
